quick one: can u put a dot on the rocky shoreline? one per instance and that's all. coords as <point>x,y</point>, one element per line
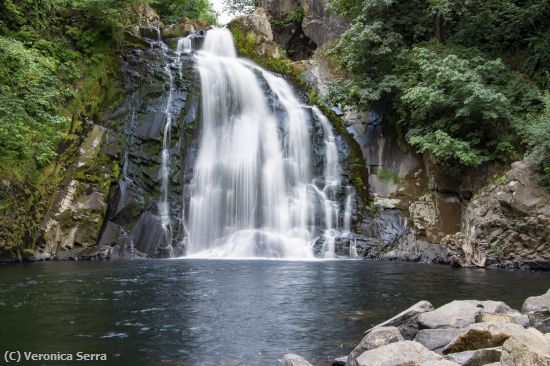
<point>462,332</point>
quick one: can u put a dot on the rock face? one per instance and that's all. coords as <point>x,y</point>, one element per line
<point>507,225</point>
<point>301,26</point>
<point>257,23</point>
<point>74,220</point>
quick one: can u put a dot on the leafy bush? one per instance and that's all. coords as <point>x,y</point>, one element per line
<point>459,106</point>
<point>30,121</point>
<point>538,138</point>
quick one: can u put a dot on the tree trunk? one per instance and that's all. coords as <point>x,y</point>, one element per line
<point>440,29</point>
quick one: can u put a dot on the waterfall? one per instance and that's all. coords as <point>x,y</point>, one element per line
<point>252,192</point>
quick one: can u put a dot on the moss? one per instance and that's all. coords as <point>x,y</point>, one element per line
<point>476,339</point>
<point>390,176</point>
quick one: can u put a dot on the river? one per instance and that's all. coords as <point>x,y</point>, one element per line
<point>209,312</point>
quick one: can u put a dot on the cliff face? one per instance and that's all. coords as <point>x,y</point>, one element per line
<point>491,216</point>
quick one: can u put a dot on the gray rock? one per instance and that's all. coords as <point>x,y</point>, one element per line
<point>403,353</point>
<point>433,339</point>
<point>291,359</point>
<point>377,337</point>
<point>406,321</point>
<point>483,335</point>
<point>476,358</point>
<point>461,313</point>
<point>529,348</point>
<point>537,309</point>
<point>340,361</point>
<point>439,363</point>
<point>483,317</point>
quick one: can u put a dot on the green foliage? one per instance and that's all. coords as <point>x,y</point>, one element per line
<point>369,50</point>
<point>297,15</point>
<point>30,121</point>
<point>461,109</point>
<point>538,139</point>
<point>457,99</point>
<point>172,11</point>
<point>237,7</point>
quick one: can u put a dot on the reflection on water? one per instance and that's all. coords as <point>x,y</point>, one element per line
<point>193,312</point>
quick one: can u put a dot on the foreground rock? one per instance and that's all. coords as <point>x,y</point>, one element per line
<point>436,339</point>
<point>477,357</point>
<point>483,335</point>
<point>537,309</point>
<point>459,314</point>
<point>398,354</point>
<point>462,332</point>
<point>290,359</point>
<point>407,321</point>
<point>377,337</point>
<point>529,348</point>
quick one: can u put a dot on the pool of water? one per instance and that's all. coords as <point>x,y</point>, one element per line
<point>200,312</point>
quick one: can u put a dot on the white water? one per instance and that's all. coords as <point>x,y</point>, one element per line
<point>252,191</point>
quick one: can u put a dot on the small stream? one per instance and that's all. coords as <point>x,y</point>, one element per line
<point>205,312</point>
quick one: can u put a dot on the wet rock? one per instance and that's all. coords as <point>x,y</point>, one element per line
<point>434,339</point>
<point>537,309</point>
<point>527,349</point>
<point>406,321</point>
<point>377,337</point>
<point>483,335</point>
<point>397,354</point>
<point>477,357</point>
<point>291,359</point>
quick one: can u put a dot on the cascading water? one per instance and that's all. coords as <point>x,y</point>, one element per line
<point>252,193</point>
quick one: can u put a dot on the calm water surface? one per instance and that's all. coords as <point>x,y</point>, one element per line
<point>193,312</point>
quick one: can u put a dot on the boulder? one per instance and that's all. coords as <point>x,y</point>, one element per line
<point>258,24</point>
<point>439,363</point>
<point>537,309</point>
<point>485,317</point>
<point>183,28</point>
<point>290,359</point>
<point>406,321</point>
<point>477,357</point>
<point>483,335</point>
<point>434,339</point>
<point>461,313</point>
<point>529,348</point>
<point>377,337</point>
<point>402,353</point>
